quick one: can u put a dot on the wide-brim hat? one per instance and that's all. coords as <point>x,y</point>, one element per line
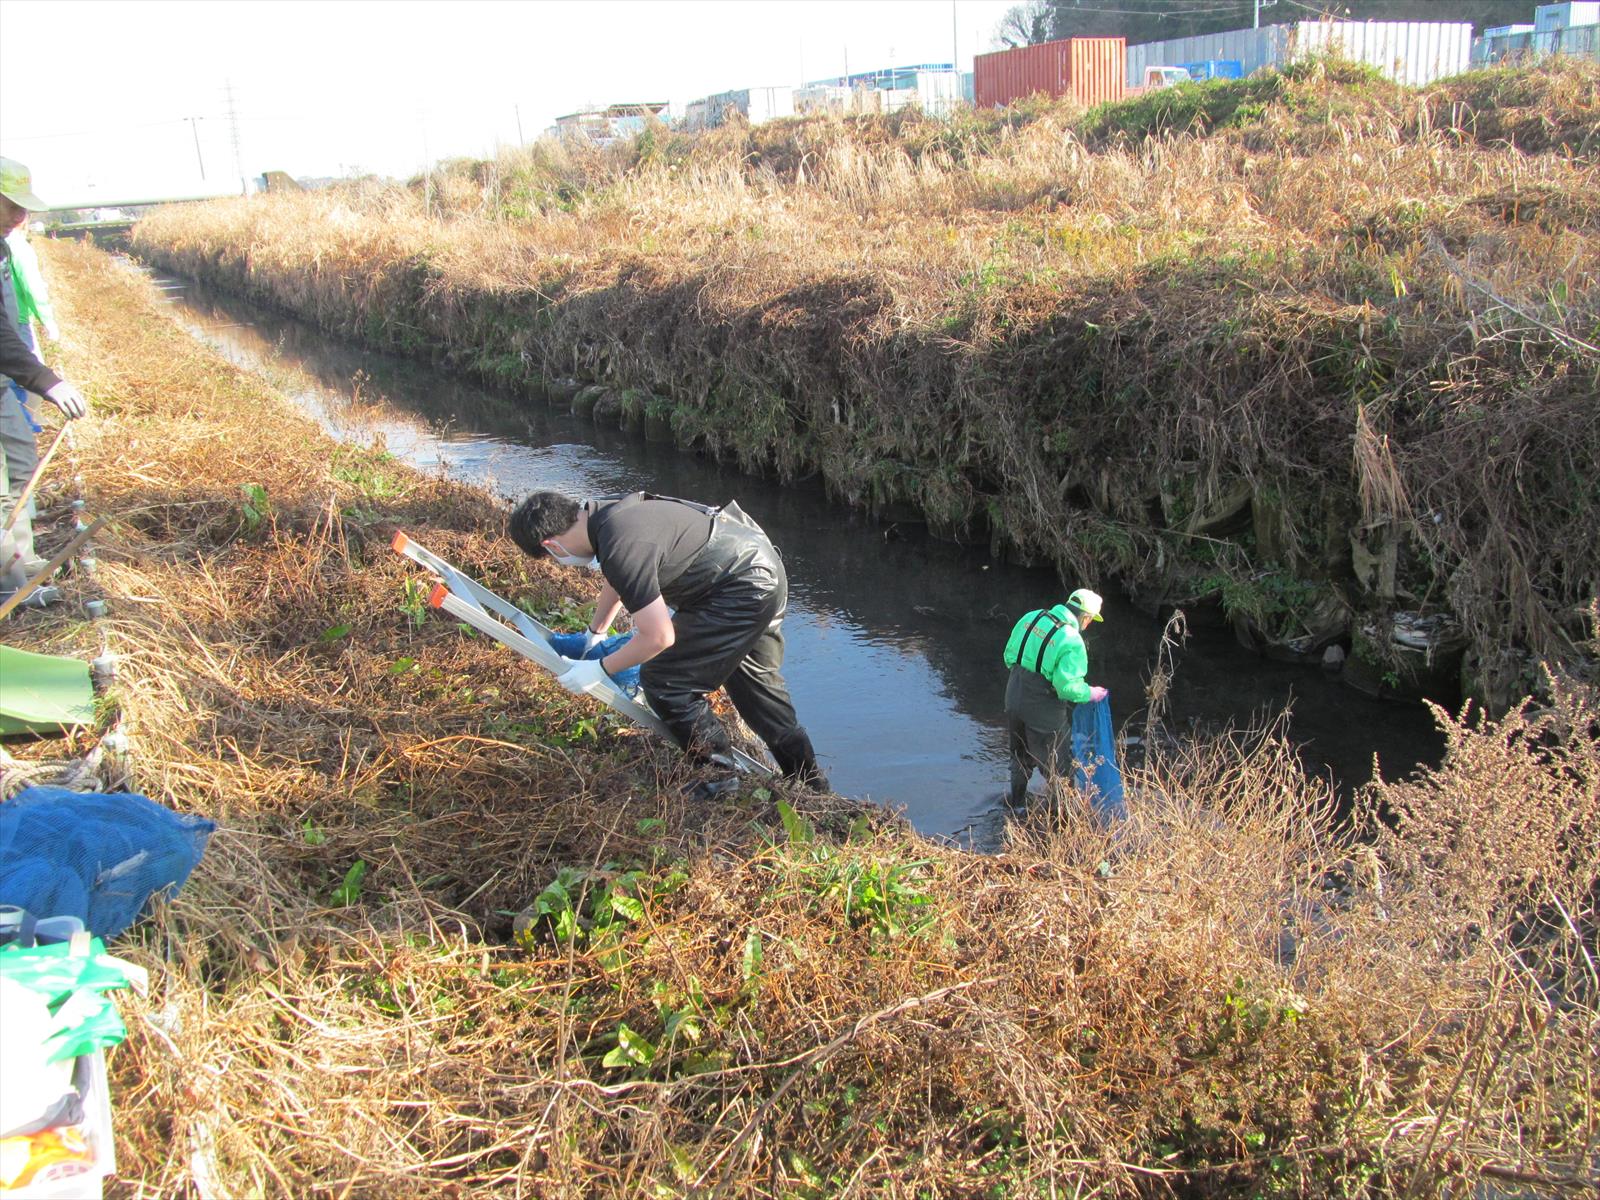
<point>16,185</point>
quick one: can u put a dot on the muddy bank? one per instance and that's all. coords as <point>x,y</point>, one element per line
<point>1254,368</point>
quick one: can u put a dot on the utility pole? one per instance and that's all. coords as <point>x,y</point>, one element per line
<point>195,129</point>
<point>233,127</point>
<point>521,141</point>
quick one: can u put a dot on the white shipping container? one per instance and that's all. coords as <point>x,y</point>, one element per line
<point>1411,52</point>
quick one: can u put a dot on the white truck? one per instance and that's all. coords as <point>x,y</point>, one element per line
<point>1163,77</point>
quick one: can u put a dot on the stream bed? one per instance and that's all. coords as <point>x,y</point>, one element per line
<point>894,637</point>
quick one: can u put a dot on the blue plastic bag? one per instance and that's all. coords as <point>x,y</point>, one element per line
<point>92,855</point>
<point>1094,756</point>
<point>570,645</point>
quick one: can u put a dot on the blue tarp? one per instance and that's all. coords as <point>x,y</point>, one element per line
<point>97,856</point>
<point>1094,756</point>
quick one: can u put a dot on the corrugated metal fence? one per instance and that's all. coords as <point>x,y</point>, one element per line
<point>1409,52</point>
<point>1253,48</point>
<point>1412,52</point>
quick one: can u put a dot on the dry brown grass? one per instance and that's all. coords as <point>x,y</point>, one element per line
<point>1067,341</point>
<point>1245,1001</point>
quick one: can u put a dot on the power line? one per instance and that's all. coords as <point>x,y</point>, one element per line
<point>35,137</point>
<point>1161,13</point>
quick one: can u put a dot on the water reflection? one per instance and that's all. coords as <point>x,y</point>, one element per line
<point>894,638</point>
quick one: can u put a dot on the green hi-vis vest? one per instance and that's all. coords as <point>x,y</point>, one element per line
<point>1047,641</point>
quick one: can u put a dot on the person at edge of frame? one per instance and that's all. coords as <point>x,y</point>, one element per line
<point>707,593</point>
<point>19,363</point>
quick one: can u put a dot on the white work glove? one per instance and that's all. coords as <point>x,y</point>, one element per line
<point>580,676</point>
<point>1097,694</point>
<point>591,639</point>
<point>52,331</point>
<point>68,399</point>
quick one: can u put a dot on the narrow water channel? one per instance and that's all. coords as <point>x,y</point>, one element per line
<point>894,638</point>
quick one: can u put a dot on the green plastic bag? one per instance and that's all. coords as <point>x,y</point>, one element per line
<point>74,985</point>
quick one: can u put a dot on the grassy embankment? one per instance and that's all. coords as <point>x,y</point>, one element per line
<point>727,1002</point>
<point>1318,346</point>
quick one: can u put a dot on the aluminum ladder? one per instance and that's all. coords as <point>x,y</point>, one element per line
<point>468,600</point>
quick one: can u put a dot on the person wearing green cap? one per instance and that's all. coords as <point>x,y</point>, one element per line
<point>18,451</point>
<point>1049,665</point>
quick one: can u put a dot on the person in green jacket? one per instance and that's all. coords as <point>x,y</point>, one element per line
<point>19,364</point>
<point>1049,668</point>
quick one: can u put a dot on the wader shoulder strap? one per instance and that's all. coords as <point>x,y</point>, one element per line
<point>725,512</point>
<point>1044,641</point>
<point>709,510</point>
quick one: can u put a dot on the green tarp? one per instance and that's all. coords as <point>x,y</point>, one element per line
<point>40,693</point>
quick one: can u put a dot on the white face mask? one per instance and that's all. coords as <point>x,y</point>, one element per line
<point>572,560</point>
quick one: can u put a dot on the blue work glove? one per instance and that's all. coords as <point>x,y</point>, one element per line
<point>571,645</point>
<point>581,675</point>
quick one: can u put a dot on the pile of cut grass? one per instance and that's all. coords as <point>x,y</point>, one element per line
<point>751,1000</point>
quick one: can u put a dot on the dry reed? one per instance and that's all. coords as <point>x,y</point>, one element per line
<point>1067,340</point>
<point>1242,1000</point>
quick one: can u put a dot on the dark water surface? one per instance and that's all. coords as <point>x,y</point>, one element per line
<point>894,638</point>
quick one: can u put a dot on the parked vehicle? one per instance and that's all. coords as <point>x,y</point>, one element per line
<point>1158,77</point>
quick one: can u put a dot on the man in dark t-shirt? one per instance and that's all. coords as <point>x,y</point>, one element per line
<point>707,593</point>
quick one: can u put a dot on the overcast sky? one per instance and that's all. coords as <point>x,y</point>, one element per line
<point>123,99</point>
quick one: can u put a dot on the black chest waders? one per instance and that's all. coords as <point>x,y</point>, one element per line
<point>728,607</point>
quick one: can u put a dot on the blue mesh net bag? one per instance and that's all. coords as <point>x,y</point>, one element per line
<point>95,856</point>
<point>1094,753</point>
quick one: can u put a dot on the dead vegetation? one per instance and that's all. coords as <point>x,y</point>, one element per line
<point>1228,997</point>
<point>1160,345</point>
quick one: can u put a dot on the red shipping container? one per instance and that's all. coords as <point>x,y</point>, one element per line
<point>1091,70</point>
<point>1099,69</point>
